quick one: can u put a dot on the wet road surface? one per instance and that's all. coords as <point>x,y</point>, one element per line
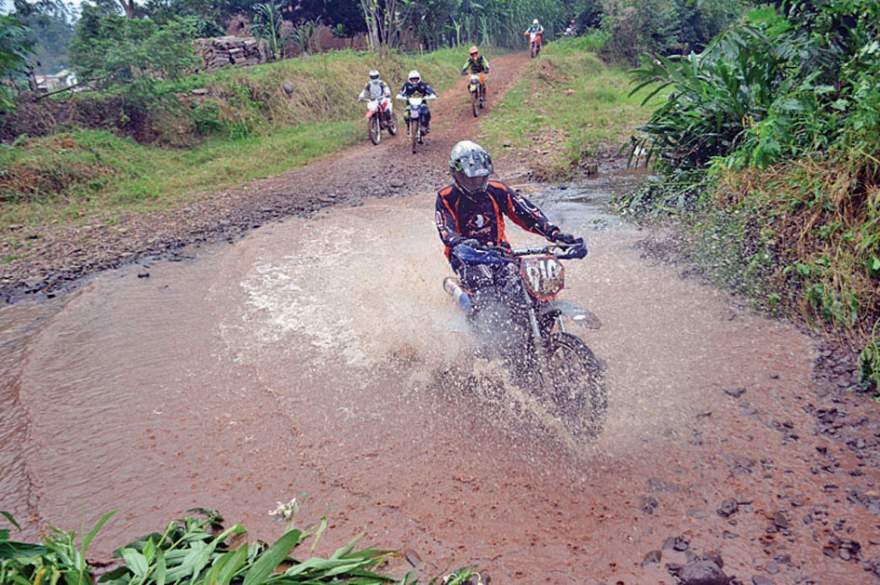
<point>322,357</point>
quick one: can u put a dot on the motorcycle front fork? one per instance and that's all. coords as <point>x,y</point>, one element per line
<point>537,338</point>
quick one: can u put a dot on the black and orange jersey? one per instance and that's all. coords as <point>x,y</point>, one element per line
<point>481,218</point>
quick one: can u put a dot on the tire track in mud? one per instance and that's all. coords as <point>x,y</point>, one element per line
<point>61,257</point>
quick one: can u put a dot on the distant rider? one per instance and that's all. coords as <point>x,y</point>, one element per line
<point>477,65</point>
<point>376,89</point>
<point>536,28</point>
<point>471,212</point>
<point>415,86</point>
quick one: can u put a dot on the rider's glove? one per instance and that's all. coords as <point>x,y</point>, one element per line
<point>558,235</point>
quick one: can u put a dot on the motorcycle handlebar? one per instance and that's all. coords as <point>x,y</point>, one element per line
<point>427,97</point>
<point>561,251</point>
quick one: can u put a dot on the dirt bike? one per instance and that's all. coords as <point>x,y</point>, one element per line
<point>521,315</point>
<point>536,39</point>
<point>477,89</point>
<point>416,119</point>
<point>380,116</point>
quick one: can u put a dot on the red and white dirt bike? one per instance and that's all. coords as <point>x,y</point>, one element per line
<point>380,116</point>
<point>536,40</point>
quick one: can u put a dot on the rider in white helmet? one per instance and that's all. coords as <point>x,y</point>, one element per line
<point>415,86</point>
<point>535,28</point>
<point>376,89</point>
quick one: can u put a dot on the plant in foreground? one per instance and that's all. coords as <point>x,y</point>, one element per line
<point>869,362</point>
<point>197,550</point>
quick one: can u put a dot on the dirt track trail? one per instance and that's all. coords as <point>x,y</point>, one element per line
<point>320,356</point>
<point>63,256</point>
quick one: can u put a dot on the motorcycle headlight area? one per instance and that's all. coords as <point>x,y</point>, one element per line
<point>544,276</point>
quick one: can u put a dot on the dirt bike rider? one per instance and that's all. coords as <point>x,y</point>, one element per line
<point>471,211</point>
<point>477,65</point>
<point>536,28</point>
<point>414,85</point>
<point>376,89</point>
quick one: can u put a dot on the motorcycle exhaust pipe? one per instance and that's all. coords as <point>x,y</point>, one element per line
<point>453,287</point>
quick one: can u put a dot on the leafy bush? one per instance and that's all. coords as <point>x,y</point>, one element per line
<point>717,97</point>
<point>636,28</point>
<point>112,49</point>
<point>777,124</point>
<point>197,549</point>
<point>759,95</point>
<point>869,361</point>
<point>663,27</point>
<point>267,27</point>
<point>14,51</point>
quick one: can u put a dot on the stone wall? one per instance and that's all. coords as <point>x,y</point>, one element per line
<point>230,50</point>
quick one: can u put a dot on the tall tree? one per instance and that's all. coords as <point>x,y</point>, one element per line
<point>14,52</point>
<point>50,26</point>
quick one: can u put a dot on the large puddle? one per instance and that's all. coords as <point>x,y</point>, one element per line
<point>322,358</point>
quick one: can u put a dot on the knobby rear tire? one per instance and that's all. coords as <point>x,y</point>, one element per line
<point>392,125</point>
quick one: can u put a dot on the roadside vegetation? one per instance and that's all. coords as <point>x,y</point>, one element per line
<point>212,130</point>
<point>768,150</point>
<point>574,105</point>
<point>569,110</point>
<point>197,550</point>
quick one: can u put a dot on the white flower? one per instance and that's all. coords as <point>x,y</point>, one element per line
<point>286,511</point>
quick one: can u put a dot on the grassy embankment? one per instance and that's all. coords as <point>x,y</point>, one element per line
<point>570,108</point>
<point>770,164</point>
<point>239,125</point>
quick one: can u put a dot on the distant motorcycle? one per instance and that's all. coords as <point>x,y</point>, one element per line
<point>523,317</point>
<point>477,89</point>
<point>416,119</point>
<point>380,116</point>
<point>536,39</point>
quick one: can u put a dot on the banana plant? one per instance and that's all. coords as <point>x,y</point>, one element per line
<point>267,27</point>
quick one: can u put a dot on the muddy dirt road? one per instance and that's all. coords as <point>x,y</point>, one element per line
<point>59,258</point>
<point>320,356</point>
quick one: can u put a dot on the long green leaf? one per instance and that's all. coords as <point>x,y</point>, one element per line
<point>161,571</point>
<point>135,561</point>
<point>227,566</point>
<point>202,559</point>
<point>87,541</point>
<point>11,549</point>
<point>272,558</point>
<point>10,518</point>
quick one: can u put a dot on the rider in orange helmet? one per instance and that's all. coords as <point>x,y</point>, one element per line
<point>477,65</point>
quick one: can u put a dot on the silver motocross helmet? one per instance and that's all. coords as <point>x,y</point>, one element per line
<point>374,75</point>
<point>471,166</point>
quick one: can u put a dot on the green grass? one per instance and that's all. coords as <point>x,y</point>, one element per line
<point>257,131</point>
<point>569,105</point>
<point>118,175</point>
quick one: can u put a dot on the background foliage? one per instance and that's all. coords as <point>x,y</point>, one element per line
<point>14,52</point>
<point>770,143</point>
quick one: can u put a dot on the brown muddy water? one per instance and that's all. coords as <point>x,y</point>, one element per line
<point>321,359</point>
